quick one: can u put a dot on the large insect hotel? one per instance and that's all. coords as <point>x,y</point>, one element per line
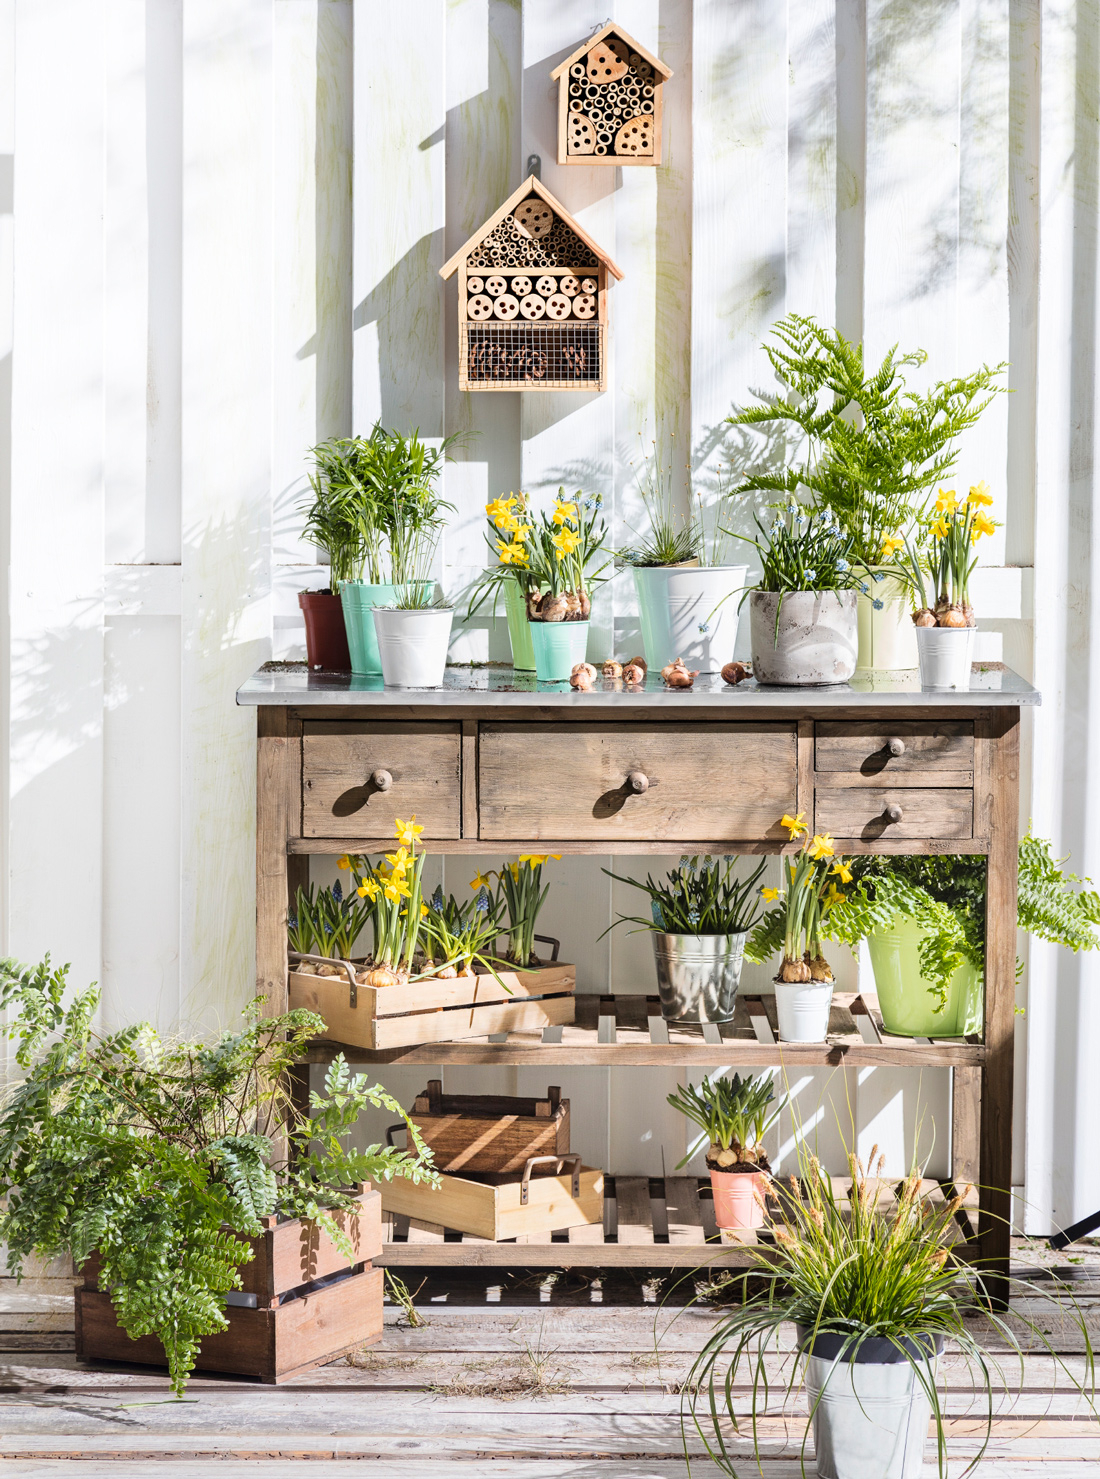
<point>532,299</point>
<point>609,101</point>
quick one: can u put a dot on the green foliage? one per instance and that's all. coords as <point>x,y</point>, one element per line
<point>733,1114</point>
<point>671,538</point>
<point>324,922</point>
<point>804,551</point>
<point>699,897</point>
<point>946,896</point>
<point>873,449</point>
<point>548,553</point>
<point>164,1156</point>
<point>462,933</point>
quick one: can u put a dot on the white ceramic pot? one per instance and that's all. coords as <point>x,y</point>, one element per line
<point>945,656</point>
<point>413,646</point>
<point>803,1010</point>
<point>811,638</point>
<point>689,611</point>
<point>887,636</point>
<point>870,1416</point>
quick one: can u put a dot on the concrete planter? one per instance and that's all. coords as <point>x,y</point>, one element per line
<point>816,641</point>
<point>689,611</point>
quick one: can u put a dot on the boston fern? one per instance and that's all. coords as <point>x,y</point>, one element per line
<point>946,897</point>
<point>164,1156</point>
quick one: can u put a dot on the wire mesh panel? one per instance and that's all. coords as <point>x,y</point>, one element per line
<point>533,356</point>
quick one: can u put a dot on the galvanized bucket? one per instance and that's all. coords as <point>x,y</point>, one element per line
<point>697,975</point>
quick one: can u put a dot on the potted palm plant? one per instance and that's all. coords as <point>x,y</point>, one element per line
<point>331,524</point>
<point>700,917</point>
<point>165,1165</point>
<point>944,619</point>
<point>803,608</point>
<point>871,1281</point>
<point>733,1115</point>
<point>682,575</point>
<point>873,451</point>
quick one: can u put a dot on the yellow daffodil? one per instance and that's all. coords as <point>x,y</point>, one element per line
<point>821,847</point>
<point>513,869</point>
<point>520,532</point>
<point>939,529</point>
<point>508,524</point>
<point>344,862</point>
<point>395,889</point>
<point>980,496</point>
<point>565,541</point>
<point>511,554</point>
<point>769,893</point>
<point>564,512</point>
<point>833,896</point>
<point>408,832</point>
<point>423,910</point>
<point>946,502</point>
<point>795,825</point>
<point>981,525</point>
<point>399,862</point>
<point>842,870</point>
<point>481,880</point>
<point>890,546</point>
<point>501,508</point>
<point>368,889</point>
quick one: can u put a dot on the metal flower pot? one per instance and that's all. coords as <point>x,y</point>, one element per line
<point>870,1413</point>
<point>697,975</point>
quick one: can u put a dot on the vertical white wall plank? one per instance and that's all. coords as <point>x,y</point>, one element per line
<point>226,472</point>
<point>7,275</point>
<point>56,756</point>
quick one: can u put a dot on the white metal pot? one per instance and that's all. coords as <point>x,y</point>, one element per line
<point>413,646</point>
<point>689,611</point>
<point>870,1415</point>
<point>803,637</point>
<point>945,656</point>
<point>887,636</point>
<point>803,1010</point>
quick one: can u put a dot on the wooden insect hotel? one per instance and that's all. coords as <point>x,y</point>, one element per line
<point>532,299</point>
<point>609,101</point>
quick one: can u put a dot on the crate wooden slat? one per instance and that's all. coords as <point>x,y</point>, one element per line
<point>490,1133</point>
<point>627,1029</point>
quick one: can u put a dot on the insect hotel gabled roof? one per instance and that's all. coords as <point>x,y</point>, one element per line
<point>531,186</point>
<point>610,100</point>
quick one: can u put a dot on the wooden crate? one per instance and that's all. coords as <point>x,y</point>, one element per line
<point>286,1318</point>
<point>505,1207</point>
<point>490,1133</point>
<point>435,1010</point>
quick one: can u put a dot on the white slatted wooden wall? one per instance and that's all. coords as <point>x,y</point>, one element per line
<point>228,216</point>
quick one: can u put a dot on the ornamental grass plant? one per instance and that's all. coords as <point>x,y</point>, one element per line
<point>701,896</point>
<point>518,897</point>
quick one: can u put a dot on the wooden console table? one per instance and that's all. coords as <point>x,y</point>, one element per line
<point>882,767</point>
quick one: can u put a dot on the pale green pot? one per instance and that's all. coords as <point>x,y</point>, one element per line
<point>559,646</point>
<point>907,1006</point>
<point>887,636</point>
<point>359,600</point>
<point>519,629</point>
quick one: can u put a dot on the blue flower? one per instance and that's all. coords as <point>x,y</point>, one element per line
<point>842,566</point>
<point>655,910</point>
<point>877,604</point>
<point>337,891</point>
<point>811,574</point>
<point>704,626</point>
<point>877,575</point>
<point>437,898</point>
<point>482,902</point>
<point>863,587</point>
<point>693,917</point>
<point>292,921</point>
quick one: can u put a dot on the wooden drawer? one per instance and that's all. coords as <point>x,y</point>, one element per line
<point>864,812</point>
<point>357,779</point>
<point>896,749</point>
<point>692,782</point>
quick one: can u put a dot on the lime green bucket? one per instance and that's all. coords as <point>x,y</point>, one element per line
<point>908,1007</point>
<point>559,646</point>
<point>359,600</point>
<point>519,629</point>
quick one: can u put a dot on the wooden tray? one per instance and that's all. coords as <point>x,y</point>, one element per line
<point>490,1133</point>
<point>505,1207</point>
<point>434,1010</point>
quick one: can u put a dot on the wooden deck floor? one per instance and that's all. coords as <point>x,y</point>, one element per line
<point>516,1376</point>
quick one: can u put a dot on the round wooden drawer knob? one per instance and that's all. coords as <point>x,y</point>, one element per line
<point>894,812</point>
<point>896,746</point>
<point>381,780</point>
<point>638,782</point>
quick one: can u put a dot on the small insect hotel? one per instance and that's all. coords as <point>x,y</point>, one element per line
<point>532,299</point>
<point>609,101</point>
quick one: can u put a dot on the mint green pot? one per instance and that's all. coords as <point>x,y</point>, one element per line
<point>558,646</point>
<point>907,1006</point>
<point>519,629</point>
<point>359,600</point>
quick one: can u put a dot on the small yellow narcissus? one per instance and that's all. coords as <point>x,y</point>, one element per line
<point>501,509</point>
<point>481,880</point>
<point>795,825</point>
<point>769,894</point>
<point>980,494</point>
<point>565,541</point>
<point>843,871</point>
<point>821,847</point>
<point>890,546</point>
<point>368,889</point>
<point>408,832</point>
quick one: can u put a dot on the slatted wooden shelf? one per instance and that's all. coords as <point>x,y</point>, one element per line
<point>649,1222</point>
<point>630,1030</point>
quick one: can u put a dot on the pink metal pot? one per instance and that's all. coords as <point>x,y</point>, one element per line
<point>739,1198</point>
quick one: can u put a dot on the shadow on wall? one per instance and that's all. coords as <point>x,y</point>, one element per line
<point>404,307</point>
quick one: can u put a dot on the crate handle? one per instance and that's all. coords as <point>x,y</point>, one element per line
<point>391,1132</point>
<point>572,1162</point>
<point>353,984</point>
<point>549,940</point>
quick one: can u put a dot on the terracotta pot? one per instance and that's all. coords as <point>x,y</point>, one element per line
<point>735,1201</point>
<point>326,635</point>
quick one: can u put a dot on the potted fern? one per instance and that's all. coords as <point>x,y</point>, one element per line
<point>699,918</point>
<point>733,1116</point>
<point>163,1166</point>
<point>873,452</point>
